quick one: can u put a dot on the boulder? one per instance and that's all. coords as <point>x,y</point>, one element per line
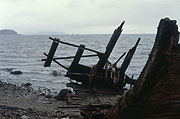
<point>63,94</point>
<point>27,84</point>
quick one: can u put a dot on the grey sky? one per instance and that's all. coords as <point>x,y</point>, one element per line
<point>86,16</point>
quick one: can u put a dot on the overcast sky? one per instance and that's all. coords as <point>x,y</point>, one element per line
<point>86,16</point>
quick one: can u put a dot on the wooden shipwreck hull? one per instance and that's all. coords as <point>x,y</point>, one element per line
<point>156,94</point>
<point>103,75</point>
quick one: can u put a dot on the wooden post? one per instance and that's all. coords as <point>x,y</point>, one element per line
<point>77,58</point>
<point>127,59</point>
<point>109,48</point>
<point>51,54</point>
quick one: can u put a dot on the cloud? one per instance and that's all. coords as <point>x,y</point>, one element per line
<point>86,16</point>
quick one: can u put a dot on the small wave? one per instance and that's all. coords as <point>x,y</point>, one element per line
<point>54,73</point>
<point>37,72</point>
<point>8,69</point>
<point>57,73</point>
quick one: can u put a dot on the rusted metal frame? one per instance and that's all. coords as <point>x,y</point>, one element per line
<point>58,62</point>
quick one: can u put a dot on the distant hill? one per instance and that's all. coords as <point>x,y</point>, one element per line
<point>8,32</point>
<point>51,33</point>
<point>45,33</point>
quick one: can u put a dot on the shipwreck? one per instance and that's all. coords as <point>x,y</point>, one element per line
<point>103,74</point>
<point>154,95</point>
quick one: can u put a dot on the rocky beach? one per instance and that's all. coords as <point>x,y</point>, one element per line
<point>23,102</point>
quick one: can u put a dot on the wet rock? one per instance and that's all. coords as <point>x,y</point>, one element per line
<point>48,96</point>
<point>42,94</point>
<point>16,72</point>
<point>54,73</point>
<point>62,95</point>
<point>25,117</point>
<point>27,84</point>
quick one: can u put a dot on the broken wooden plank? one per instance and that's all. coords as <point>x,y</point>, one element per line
<point>77,58</point>
<point>80,88</point>
<point>73,45</point>
<point>58,63</point>
<point>114,65</point>
<point>129,80</point>
<point>51,54</point>
<point>91,107</point>
<point>70,57</point>
<point>109,48</point>
<point>70,106</point>
<point>127,59</point>
<point>94,111</point>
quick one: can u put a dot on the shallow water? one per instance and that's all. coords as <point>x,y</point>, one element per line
<point>24,52</point>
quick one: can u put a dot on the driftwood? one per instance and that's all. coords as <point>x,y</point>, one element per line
<point>156,94</point>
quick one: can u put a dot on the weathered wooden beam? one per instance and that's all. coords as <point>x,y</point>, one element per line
<point>58,63</point>
<point>127,59</point>
<point>129,80</point>
<point>70,57</point>
<point>119,59</point>
<point>51,54</point>
<point>73,45</point>
<point>77,58</point>
<point>109,48</point>
<point>69,106</point>
<point>80,73</point>
<point>91,107</point>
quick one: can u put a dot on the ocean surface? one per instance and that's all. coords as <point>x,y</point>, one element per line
<point>24,53</point>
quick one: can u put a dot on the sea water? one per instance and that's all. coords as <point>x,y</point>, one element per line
<point>24,53</point>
